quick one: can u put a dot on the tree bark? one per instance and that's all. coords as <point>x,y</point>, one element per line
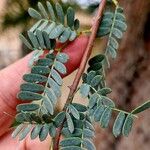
<point>129,78</point>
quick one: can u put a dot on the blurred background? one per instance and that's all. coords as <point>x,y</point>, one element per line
<point>129,76</point>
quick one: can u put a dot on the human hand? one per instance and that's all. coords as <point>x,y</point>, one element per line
<point>10,81</point>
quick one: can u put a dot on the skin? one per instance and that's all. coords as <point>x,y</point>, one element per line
<point>10,81</point>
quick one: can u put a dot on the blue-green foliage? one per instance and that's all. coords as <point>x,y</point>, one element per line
<point>114,25</point>
<point>100,106</point>
<point>51,26</point>
<point>42,87</point>
<point>41,91</point>
<point>81,137</point>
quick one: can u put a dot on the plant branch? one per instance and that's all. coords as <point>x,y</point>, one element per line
<point>87,52</point>
<point>81,69</point>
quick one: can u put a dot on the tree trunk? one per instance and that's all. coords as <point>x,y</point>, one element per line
<point>129,78</point>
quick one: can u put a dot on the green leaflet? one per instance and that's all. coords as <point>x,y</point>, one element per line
<point>70,141</point>
<point>117,127</point>
<point>65,35</point>
<point>44,132</point>
<point>24,132</point>
<point>51,95</point>
<point>35,57</point>
<point>40,70</point>
<point>32,87</point>
<point>56,32</point>
<point>17,130</point>
<point>79,107</point>
<point>141,108</point>
<point>96,59</point>
<point>25,41</point>
<point>35,26</point>
<point>107,101</point>
<point>62,57</point>
<point>98,113</point>
<point>33,40</point>
<point>74,111</point>
<point>84,90</point>
<point>104,91</point>
<point>105,118</point>
<point>117,33</point>
<point>87,133</point>
<point>95,67</point>
<point>60,67</point>
<point>28,96</point>
<point>27,117</point>
<point>88,144</point>
<point>44,62</point>
<point>46,117</point>
<point>114,43</point>
<point>106,22</point>
<point>73,35</point>
<point>36,118</point>
<point>69,122</point>
<point>47,40</point>
<point>52,130</point>
<point>77,132</point>
<point>34,78</point>
<point>127,125</point>
<point>20,117</point>
<point>121,25</point>
<point>51,56</point>
<point>76,24</point>
<point>112,51</point>
<point>40,38</point>
<point>109,15</point>
<point>51,11</point>
<point>59,119</point>
<point>60,13</point>
<point>42,10</point>
<point>120,16</point>
<point>90,76</point>
<point>48,105</point>
<point>79,123</point>
<point>94,98</point>
<point>27,107</point>
<point>55,87</point>
<point>50,28</point>
<point>103,31</point>
<point>89,125</point>
<point>70,17</point>
<point>96,80</point>
<point>35,14</point>
<point>35,131</point>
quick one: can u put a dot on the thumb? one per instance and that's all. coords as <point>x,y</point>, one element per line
<point>11,78</point>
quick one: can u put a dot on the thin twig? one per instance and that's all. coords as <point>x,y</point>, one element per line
<point>81,69</point>
<point>87,52</point>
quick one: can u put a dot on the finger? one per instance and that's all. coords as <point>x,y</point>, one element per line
<point>11,78</point>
